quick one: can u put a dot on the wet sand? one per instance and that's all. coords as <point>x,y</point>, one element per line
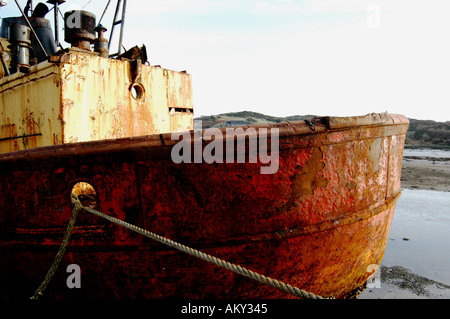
<point>398,282</point>
<point>395,279</point>
<point>426,173</point>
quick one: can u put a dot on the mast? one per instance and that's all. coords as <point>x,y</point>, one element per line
<point>56,4</point>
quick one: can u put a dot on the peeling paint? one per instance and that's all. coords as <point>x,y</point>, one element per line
<point>374,154</point>
<point>308,177</point>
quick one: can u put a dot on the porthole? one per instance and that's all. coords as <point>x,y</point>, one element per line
<point>137,91</point>
<point>85,193</point>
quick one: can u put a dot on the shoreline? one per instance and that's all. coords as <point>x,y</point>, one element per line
<point>426,173</point>
<point>398,282</point>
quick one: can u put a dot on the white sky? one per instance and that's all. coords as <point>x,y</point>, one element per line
<point>288,57</point>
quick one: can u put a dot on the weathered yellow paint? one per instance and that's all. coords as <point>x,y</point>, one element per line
<point>29,105</point>
<point>88,98</point>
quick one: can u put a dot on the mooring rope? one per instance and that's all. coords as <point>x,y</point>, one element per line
<point>196,253</point>
<point>62,249</point>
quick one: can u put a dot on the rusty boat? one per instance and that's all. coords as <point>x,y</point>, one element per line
<point>83,121</point>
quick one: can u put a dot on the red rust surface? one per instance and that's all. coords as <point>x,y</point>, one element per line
<point>317,224</point>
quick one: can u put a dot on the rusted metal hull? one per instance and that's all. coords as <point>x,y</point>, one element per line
<point>318,223</point>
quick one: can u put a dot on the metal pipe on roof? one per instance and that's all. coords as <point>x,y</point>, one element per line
<point>32,29</point>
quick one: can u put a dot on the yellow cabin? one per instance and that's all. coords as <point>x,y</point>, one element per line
<point>78,95</point>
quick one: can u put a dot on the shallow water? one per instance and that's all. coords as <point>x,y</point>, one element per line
<point>419,241</point>
<point>420,234</point>
<point>427,153</point>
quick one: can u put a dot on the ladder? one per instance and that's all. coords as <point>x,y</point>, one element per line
<point>117,22</point>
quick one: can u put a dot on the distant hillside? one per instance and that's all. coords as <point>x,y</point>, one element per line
<point>221,120</point>
<point>428,134</point>
<point>421,134</point>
